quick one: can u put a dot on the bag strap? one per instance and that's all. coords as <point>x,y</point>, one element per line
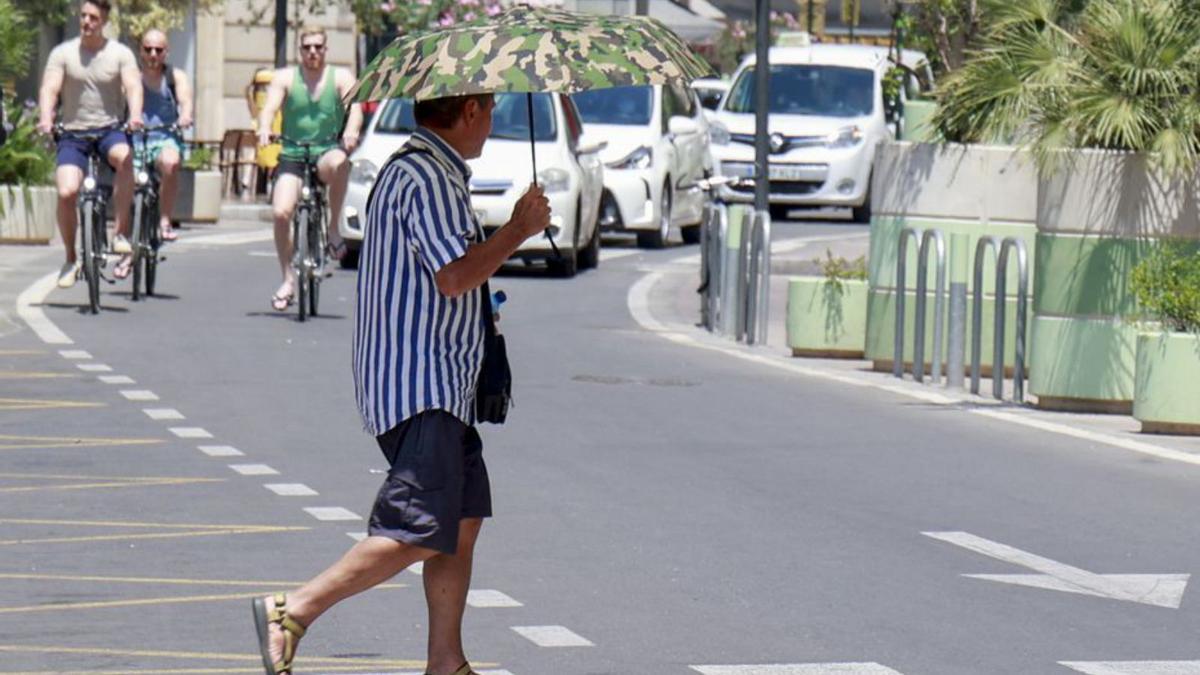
<point>489,320</point>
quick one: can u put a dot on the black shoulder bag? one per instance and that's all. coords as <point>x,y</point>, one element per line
<point>493,391</point>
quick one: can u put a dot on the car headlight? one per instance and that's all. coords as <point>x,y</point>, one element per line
<point>719,134</point>
<point>363,171</point>
<point>641,158</point>
<point>554,180</point>
<point>846,137</point>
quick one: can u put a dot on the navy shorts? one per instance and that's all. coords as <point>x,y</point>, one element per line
<point>437,478</point>
<point>73,151</point>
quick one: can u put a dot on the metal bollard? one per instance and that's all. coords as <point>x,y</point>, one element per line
<point>901,281</point>
<point>957,333</point>
<point>764,284</point>
<point>712,232</point>
<point>730,304</point>
<point>939,306</point>
<point>981,248</point>
<point>743,278</point>
<point>1009,244</point>
<point>758,279</point>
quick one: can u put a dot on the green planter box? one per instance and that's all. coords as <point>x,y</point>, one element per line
<point>1165,390</point>
<point>823,320</point>
<point>27,214</point>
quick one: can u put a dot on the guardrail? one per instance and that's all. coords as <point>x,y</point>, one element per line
<point>998,321</point>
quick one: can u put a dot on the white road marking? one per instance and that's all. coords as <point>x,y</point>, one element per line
<point>490,598</point>
<point>417,568</point>
<point>291,489</point>
<point>1134,667</point>
<point>190,432</point>
<point>163,414</point>
<point>94,367</point>
<point>552,636</point>
<point>227,238</point>
<point>254,469</point>
<point>116,379</point>
<point>638,302</point>
<point>799,669</point>
<point>615,253</point>
<point>332,513</point>
<point>1159,590</point>
<point>75,354</point>
<point>139,394</point>
<point>33,295</point>
<point>220,450</point>
<point>357,536</point>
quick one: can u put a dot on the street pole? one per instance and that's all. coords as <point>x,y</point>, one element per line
<point>641,7</point>
<point>762,79</point>
<point>280,33</point>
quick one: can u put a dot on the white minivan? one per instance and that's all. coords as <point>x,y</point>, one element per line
<point>826,116</point>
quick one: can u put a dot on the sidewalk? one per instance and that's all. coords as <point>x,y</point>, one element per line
<point>673,310</point>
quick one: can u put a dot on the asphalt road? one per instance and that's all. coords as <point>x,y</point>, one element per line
<point>663,507</point>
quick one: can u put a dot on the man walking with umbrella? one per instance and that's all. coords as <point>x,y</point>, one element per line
<point>418,347</point>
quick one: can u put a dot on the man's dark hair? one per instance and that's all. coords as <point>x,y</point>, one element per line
<point>104,5</point>
<point>442,113</point>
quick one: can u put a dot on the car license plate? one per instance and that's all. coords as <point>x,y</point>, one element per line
<point>794,172</point>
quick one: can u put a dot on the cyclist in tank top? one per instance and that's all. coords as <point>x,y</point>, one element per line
<point>310,97</point>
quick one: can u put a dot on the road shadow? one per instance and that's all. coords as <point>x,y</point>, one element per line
<point>291,314</point>
<point>82,309</point>
<point>157,296</point>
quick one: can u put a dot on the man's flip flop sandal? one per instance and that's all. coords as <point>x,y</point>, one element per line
<point>465,669</point>
<point>280,303</point>
<point>336,252</point>
<point>292,632</point>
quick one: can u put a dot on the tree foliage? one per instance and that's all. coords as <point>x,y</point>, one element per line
<point>16,41</point>
<point>1114,74</point>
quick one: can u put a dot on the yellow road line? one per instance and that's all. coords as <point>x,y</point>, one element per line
<point>21,352</point>
<point>32,375</point>
<point>142,537</point>
<point>123,523</point>
<point>412,666</point>
<point>111,484</point>
<point>164,580</point>
<point>9,442</point>
<point>43,404</point>
<point>321,661</point>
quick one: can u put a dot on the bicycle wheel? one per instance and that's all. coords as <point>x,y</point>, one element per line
<point>91,275</point>
<point>153,242</point>
<point>316,250</point>
<point>139,252</point>
<point>301,263</point>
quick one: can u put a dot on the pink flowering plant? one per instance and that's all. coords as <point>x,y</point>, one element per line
<point>405,16</point>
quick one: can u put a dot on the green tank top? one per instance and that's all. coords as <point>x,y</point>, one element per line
<point>307,119</point>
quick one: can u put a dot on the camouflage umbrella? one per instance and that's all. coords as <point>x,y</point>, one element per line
<point>527,49</point>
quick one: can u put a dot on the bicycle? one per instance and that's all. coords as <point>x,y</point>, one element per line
<point>309,237</point>
<point>147,238</point>
<point>92,206</point>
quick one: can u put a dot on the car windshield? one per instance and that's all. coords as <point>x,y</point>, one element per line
<point>619,105</point>
<point>510,117</point>
<point>828,91</point>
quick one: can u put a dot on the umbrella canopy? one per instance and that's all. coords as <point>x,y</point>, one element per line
<point>528,49</point>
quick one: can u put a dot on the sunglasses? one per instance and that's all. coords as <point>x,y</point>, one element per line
<point>313,48</point>
<point>154,50</point>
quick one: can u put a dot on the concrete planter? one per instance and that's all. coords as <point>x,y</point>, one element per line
<point>1099,213</point>
<point>965,190</point>
<point>199,196</point>
<point>1168,368</point>
<point>27,214</point>
<point>824,320</point>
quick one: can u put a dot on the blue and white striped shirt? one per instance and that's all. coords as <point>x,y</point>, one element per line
<point>414,348</point>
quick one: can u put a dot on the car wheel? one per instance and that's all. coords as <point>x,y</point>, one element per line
<point>691,234</point>
<point>589,257</point>
<point>567,262</point>
<point>779,212</point>
<point>862,214</point>
<point>658,238</point>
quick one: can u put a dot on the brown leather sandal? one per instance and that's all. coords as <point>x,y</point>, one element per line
<point>292,632</point>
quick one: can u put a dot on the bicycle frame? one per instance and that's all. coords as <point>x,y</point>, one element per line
<point>92,210</point>
<point>146,238</point>
<point>309,235</point>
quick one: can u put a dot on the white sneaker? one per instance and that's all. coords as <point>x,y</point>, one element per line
<point>121,245</point>
<point>67,275</point>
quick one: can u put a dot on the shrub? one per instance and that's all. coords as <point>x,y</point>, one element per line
<point>26,158</point>
<point>199,159</point>
<point>1166,284</point>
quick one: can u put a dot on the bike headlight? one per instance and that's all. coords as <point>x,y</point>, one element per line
<point>143,178</point>
<point>306,193</point>
<point>719,134</point>
<point>641,158</point>
<point>363,171</point>
<point>554,180</point>
<point>89,183</point>
<point>846,137</point>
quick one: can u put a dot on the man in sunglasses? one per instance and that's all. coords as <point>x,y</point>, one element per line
<point>94,79</point>
<point>168,101</point>
<point>311,99</point>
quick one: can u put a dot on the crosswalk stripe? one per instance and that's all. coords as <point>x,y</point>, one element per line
<point>799,669</point>
<point>220,450</point>
<point>139,395</point>
<point>291,489</point>
<point>552,636</point>
<point>1134,667</point>
<point>163,413</point>
<point>190,432</point>
<point>254,469</point>
<point>484,597</point>
<point>332,513</point>
<point>116,379</point>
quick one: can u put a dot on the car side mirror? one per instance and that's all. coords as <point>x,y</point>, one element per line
<point>682,126</point>
<point>589,144</point>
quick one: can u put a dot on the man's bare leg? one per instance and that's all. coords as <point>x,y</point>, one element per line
<point>334,170</point>
<point>67,178</point>
<point>283,204</point>
<point>168,172</point>
<point>121,160</point>
<point>368,563</point>
<point>447,580</point>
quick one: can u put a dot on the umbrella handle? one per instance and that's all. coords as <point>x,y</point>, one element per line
<point>533,154</point>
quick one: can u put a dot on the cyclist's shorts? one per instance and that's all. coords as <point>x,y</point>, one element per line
<point>154,147</point>
<point>295,167</point>
<point>74,151</point>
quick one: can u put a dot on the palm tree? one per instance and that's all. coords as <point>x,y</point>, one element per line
<point>1113,74</point>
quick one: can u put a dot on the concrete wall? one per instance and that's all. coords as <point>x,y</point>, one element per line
<point>925,186</point>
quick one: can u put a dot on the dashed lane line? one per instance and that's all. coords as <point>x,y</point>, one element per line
<point>160,414</point>
<point>94,367</point>
<point>254,469</point>
<point>488,598</point>
<point>291,489</point>
<point>190,432</point>
<point>75,354</point>
<point>116,379</point>
<point>799,669</point>
<point>331,513</point>
<point>552,636</point>
<point>220,450</point>
<point>1134,667</point>
<point>139,395</point>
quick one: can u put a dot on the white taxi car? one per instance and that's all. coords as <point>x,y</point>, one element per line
<point>657,150</point>
<point>826,116</point>
<point>568,165</point>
